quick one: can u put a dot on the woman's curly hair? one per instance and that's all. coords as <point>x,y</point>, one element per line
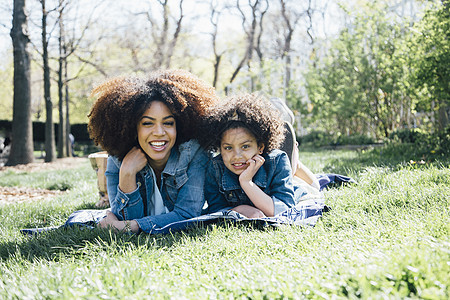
<point>120,103</point>
<point>249,111</point>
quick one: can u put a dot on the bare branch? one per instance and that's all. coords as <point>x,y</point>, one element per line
<point>175,36</point>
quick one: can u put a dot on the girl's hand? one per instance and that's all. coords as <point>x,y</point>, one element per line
<point>253,166</point>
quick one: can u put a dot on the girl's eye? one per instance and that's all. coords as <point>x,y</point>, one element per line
<point>227,148</point>
<point>245,146</point>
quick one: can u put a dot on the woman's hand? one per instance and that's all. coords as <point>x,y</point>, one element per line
<point>112,222</point>
<point>109,222</point>
<point>253,166</point>
<point>132,163</point>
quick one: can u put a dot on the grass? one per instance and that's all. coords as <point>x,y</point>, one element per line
<point>386,237</point>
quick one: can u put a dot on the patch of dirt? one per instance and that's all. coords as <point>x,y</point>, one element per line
<point>20,194</point>
<point>10,195</point>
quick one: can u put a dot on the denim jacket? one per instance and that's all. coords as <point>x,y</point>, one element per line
<point>182,182</point>
<point>223,191</point>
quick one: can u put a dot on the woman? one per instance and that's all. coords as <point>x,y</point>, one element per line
<point>155,172</point>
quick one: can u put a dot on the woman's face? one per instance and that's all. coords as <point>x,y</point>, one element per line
<point>157,134</point>
<point>237,146</point>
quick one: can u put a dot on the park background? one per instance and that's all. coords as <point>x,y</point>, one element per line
<point>353,72</point>
<point>373,74</point>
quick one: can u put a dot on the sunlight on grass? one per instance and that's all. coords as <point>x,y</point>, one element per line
<point>386,237</point>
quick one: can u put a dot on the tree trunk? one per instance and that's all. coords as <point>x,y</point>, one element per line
<point>443,115</point>
<point>62,147</point>
<point>68,141</point>
<point>22,129</point>
<point>50,148</point>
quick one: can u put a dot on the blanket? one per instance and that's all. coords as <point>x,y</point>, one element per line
<point>306,212</point>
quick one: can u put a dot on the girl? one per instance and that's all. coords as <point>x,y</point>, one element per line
<point>250,175</point>
<point>155,172</point>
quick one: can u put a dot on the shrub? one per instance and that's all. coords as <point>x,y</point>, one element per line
<point>322,138</point>
<point>356,139</point>
<point>407,135</point>
<point>317,138</point>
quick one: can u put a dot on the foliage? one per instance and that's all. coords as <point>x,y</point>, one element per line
<point>319,138</point>
<point>436,143</point>
<point>6,89</point>
<point>354,139</point>
<point>431,62</point>
<point>369,81</point>
<point>408,135</point>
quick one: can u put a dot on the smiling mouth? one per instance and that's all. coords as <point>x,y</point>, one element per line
<point>239,165</point>
<point>158,146</point>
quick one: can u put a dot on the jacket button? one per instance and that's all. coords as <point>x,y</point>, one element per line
<point>123,201</point>
<point>230,194</point>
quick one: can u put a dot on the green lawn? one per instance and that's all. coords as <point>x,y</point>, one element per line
<point>386,237</point>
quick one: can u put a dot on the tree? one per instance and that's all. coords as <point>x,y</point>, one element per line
<point>50,148</point>
<point>290,20</point>
<point>258,9</point>
<point>363,82</point>
<point>214,19</point>
<point>22,130</point>
<point>164,47</point>
<point>63,151</point>
<point>68,45</point>
<point>431,62</point>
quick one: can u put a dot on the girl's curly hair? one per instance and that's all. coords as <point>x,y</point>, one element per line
<point>249,111</point>
<point>120,103</point>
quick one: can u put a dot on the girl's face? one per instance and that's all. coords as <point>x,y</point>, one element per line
<point>157,133</point>
<point>237,146</point>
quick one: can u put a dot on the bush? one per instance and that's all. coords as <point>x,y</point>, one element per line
<point>427,146</point>
<point>321,138</point>
<point>407,135</point>
<point>317,138</point>
<point>356,139</point>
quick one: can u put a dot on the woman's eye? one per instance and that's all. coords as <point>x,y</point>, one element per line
<point>147,123</point>
<point>169,123</point>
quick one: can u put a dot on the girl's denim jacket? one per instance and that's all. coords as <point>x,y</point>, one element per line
<point>182,182</point>
<point>223,191</point>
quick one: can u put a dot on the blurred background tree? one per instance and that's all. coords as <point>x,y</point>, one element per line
<point>353,67</point>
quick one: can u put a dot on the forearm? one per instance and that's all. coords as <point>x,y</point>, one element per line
<point>305,174</point>
<point>127,181</point>
<point>260,199</point>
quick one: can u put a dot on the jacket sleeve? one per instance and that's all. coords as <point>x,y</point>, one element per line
<point>125,206</point>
